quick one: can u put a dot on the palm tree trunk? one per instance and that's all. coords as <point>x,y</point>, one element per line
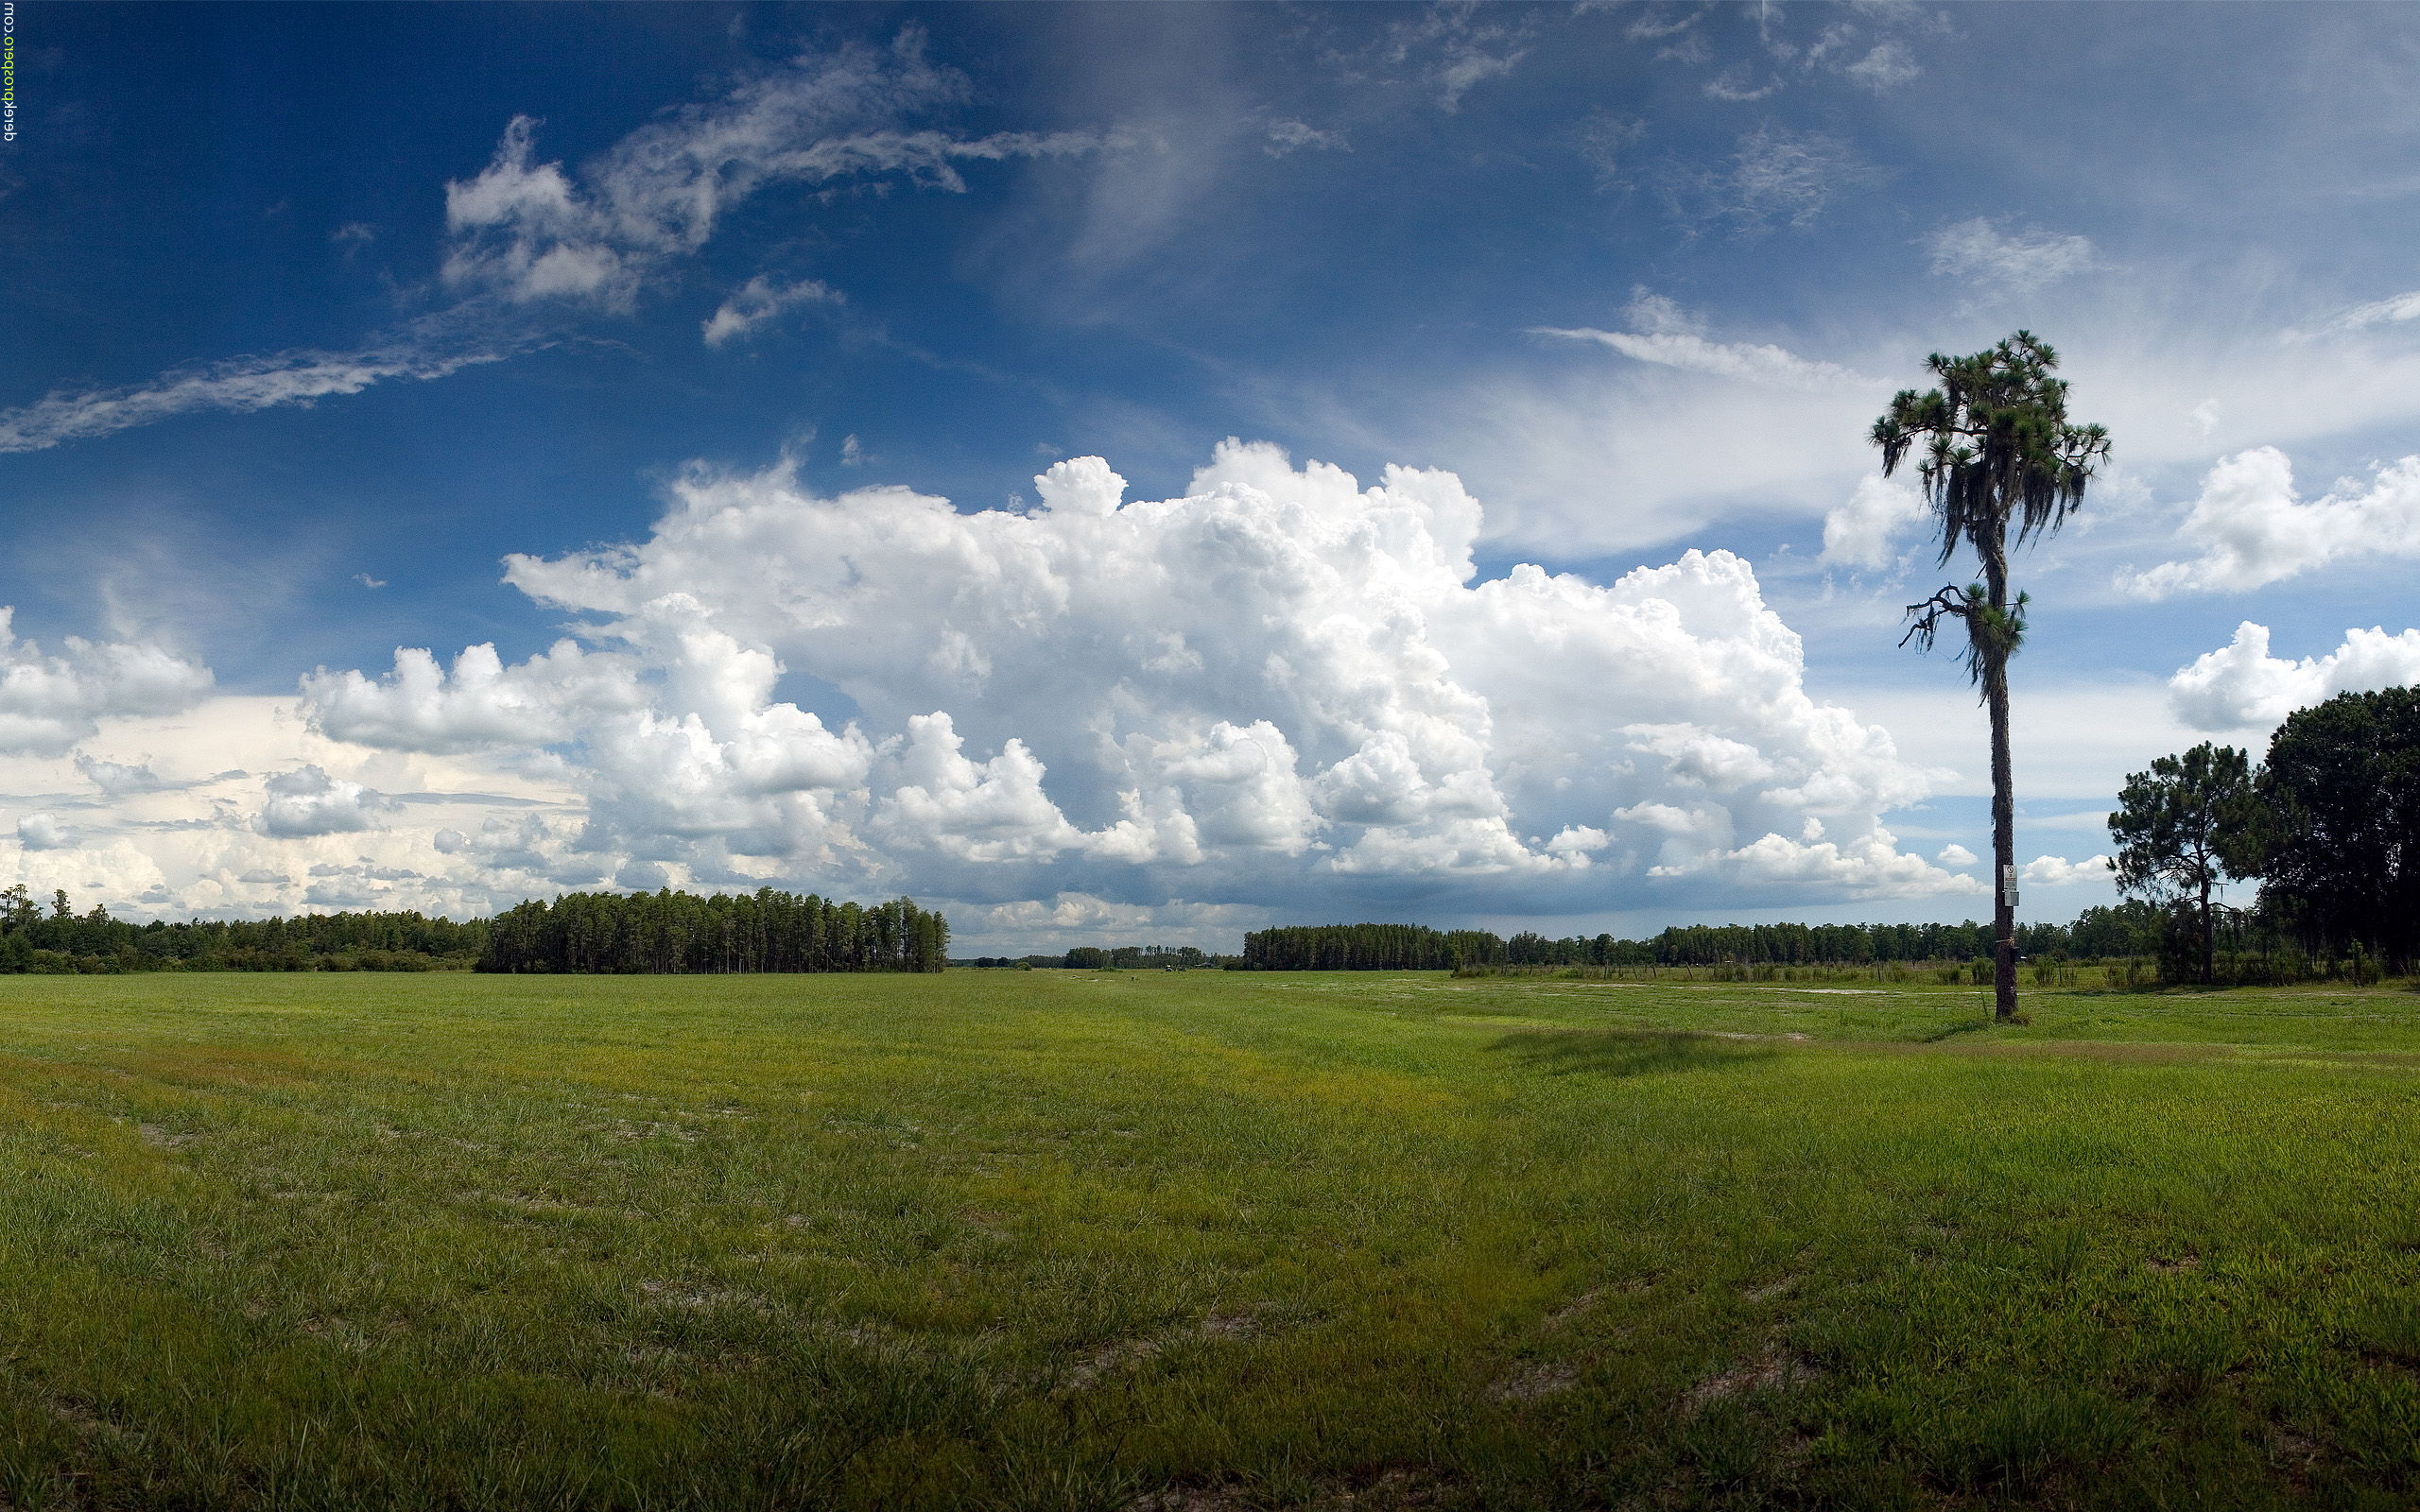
<point>2004,844</point>
<point>2209,930</point>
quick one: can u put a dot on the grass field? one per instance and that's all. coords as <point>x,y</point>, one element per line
<point>1201,1240</point>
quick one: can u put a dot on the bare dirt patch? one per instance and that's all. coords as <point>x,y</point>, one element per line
<point>1774,1370</point>
<point>1543,1378</point>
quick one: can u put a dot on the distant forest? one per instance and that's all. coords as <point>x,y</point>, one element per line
<point>678,932</point>
<point>2128,930</point>
<point>661,932</point>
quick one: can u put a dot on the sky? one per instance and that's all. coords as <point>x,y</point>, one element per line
<point>1138,473</point>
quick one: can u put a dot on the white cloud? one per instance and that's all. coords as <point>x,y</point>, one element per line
<point>1744,362</point>
<point>523,231</point>
<point>482,705</point>
<point>240,385</point>
<point>1462,55</point>
<point>181,833</point>
<point>1280,665</point>
<point>307,802</point>
<point>48,703</point>
<point>759,300</point>
<point>530,231</point>
<point>1978,250</point>
<point>1887,67</point>
<point>1280,690</point>
<point>2058,871</point>
<point>42,832</point>
<point>2240,686</point>
<point>1869,867</point>
<point>1736,84</point>
<point>117,779</point>
<point>2382,312</point>
<point>1287,135</point>
<point>1956,855</point>
<point>2251,528</point>
<point>1790,176</point>
<point>1861,532</point>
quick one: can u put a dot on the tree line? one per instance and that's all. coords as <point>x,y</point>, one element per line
<point>2328,826</point>
<point>1366,947</point>
<point>671,931</point>
<point>2132,928</point>
<point>1114,959</point>
<point>662,932</point>
<point>57,939</point>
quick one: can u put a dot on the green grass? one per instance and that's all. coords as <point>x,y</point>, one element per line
<point>1070,1240</point>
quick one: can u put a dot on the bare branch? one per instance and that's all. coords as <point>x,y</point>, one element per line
<point>1949,603</point>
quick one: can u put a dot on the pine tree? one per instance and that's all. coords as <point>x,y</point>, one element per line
<point>1999,450</point>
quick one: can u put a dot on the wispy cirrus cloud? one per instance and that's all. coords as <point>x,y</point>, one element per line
<point>758,301</point>
<point>1979,251</point>
<point>533,232</point>
<point>239,386</point>
<point>523,233</point>
<point>1774,176</point>
<point>1670,336</point>
<point>2394,311</point>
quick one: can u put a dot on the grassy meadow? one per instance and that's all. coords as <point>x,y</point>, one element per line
<point>1202,1241</point>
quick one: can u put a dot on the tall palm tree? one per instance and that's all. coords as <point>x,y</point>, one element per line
<point>1999,450</point>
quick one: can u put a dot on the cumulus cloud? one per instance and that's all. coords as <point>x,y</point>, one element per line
<point>42,832</point>
<point>1978,250</point>
<point>1869,866</point>
<point>307,802</point>
<point>1281,690</point>
<point>118,779</point>
<point>1956,855</point>
<point>759,300</point>
<point>49,703</point>
<point>2251,528</point>
<point>2058,871</point>
<point>1860,533</point>
<point>481,705</point>
<point>1279,677</point>
<point>2240,686</point>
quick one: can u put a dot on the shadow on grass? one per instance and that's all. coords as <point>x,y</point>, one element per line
<point>1963,1026</point>
<point>1626,1052</point>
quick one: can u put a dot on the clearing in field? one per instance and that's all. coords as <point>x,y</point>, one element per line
<point>1201,1240</point>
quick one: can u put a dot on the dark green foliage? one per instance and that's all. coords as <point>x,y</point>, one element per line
<point>62,940</point>
<point>2130,929</point>
<point>682,932</point>
<point>583,931</point>
<point>1367,947</point>
<point>2340,795</point>
<point>2182,826</point>
<point>1998,449</point>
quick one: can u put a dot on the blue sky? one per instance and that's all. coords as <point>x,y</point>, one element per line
<point>658,302</point>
